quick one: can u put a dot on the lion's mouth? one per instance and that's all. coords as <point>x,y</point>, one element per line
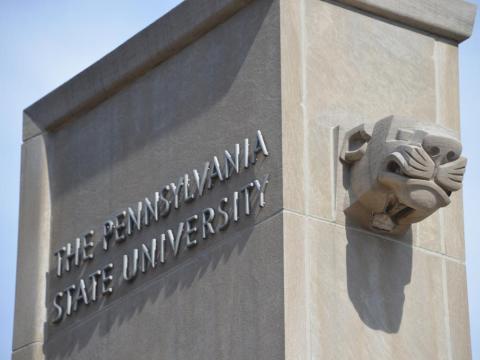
<point>397,211</point>
<point>401,211</point>
<point>409,174</point>
<point>414,194</point>
<point>393,215</point>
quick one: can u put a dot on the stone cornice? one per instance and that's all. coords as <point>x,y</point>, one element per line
<point>451,19</point>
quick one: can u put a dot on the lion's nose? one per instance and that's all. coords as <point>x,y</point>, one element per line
<point>442,149</point>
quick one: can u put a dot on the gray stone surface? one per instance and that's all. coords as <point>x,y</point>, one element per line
<point>168,122</point>
<point>155,44</point>
<point>382,299</point>
<point>224,303</point>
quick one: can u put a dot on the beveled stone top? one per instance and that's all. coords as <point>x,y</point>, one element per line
<point>449,19</point>
<point>145,50</point>
<point>452,19</point>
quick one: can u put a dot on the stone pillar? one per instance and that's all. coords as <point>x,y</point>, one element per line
<point>278,255</point>
<point>353,294</point>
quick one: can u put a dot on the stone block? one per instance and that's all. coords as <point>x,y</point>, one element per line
<point>384,297</point>
<point>454,233</point>
<point>344,47</point>
<point>458,321</point>
<point>428,233</point>
<point>33,245</point>
<point>297,333</point>
<point>293,121</point>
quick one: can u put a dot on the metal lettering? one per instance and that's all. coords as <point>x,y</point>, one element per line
<point>94,282</point>
<point>151,210</point>
<point>81,295</point>
<point>69,290</point>
<point>134,220</point>
<point>59,309</point>
<point>162,249</point>
<point>246,196</point>
<point>59,255</point>
<point>108,228</point>
<point>216,172</point>
<point>188,195</point>
<point>130,275</point>
<point>176,191</point>
<point>69,255</point>
<point>191,229</point>
<point>260,146</point>
<point>201,182</point>
<point>165,209</point>
<point>120,226</point>
<point>175,241</point>
<point>87,246</point>
<point>149,255</point>
<point>207,218</point>
<point>261,187</point>
<point>226,218</point>
<point>246,150</point>
<point>232,163</point>
<point>107,280</point>
<point>235,206</point>
<point>77,252</point>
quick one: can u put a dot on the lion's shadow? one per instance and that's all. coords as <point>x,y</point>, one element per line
<point>377,272</point>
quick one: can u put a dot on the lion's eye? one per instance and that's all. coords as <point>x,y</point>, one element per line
<point>451,156</point>
<point>433,151</point>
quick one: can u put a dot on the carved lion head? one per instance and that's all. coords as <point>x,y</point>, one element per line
<point>399,172</point>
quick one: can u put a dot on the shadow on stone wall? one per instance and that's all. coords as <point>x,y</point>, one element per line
<point>172,284</point>
<point>378,270</point>
<point>201,87</point>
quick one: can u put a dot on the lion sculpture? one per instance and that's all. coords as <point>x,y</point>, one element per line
<point>399,172</point>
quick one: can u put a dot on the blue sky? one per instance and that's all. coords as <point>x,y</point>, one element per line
<point>44,43</point>
<point>470,115</point>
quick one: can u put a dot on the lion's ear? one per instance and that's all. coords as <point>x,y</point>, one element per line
<point>355,144</point>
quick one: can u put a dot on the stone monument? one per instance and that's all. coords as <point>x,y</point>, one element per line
<point>252,179</point>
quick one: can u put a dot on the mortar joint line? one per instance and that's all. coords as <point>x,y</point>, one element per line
<point>379,236</point>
